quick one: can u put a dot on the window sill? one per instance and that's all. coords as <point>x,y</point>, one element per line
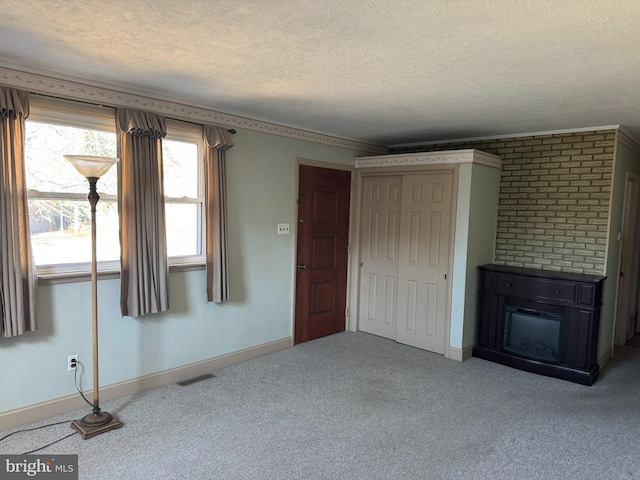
<point>56,278</point>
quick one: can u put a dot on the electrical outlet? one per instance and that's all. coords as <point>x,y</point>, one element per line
<point>72,363</point>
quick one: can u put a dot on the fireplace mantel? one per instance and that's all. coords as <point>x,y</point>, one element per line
<point>576,298</point>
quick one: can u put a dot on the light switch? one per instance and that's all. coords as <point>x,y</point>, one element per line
<point>283,229</point>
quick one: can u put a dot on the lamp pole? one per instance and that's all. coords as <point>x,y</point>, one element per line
<point>97,418</point>
<point>92,168</point>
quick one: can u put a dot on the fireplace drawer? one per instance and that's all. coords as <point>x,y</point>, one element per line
<point>557,291</point>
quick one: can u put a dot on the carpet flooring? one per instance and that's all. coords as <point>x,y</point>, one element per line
<point>356,406</point>
<point>634,341</point>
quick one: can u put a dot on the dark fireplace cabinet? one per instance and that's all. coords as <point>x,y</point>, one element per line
<point>540,321</point>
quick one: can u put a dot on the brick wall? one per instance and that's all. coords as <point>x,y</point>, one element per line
<point>554,198</point>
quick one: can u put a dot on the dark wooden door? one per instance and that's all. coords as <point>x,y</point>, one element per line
<point>323,235</point>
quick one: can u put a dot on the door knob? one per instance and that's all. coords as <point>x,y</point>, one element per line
<point>301,267</point>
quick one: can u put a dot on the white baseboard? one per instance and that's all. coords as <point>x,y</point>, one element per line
<point>39,411</point>
<point>605,358</point>
<point>460,354</point>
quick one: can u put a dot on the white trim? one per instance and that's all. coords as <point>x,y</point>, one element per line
<point>47,409</point>
<point>75,90</point>
<point>455,184</point>
<point>605,358</point>
<point>109,272</point>
<point>508,135</point>
<point>70,196</point>
<point>322,164</point>
<point>618,323</point>
<point>460,354</point>
<point>431,158</point>
<point>355,225</point>
<point>627,141</point>
<point>192,134</point>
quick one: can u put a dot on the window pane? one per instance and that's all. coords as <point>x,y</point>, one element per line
<point>183,229</point>
<point>48,171</point>
<point>180,167</point>
<point>61,231</point>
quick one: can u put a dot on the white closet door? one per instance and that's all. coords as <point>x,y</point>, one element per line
<point>405,249</point>
<point>379,254</point>
<point>423,260</point>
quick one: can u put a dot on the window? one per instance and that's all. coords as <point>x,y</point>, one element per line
<point>184,191</point>
<point>59,213</point>
<point>58,210</point>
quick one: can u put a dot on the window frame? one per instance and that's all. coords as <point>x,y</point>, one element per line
<point>180,131</point>
<point>81,115</point>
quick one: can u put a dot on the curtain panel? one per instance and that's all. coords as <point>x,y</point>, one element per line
<point>19,280</point>
<point>143,258</point>
<point>218,141</point>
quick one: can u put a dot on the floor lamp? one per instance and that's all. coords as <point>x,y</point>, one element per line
<point>92,168</point>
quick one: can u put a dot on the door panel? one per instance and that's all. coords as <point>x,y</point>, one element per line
<point>405,248</point>
<point>379,250</point>
<point>424,260</point>
<point>323,235</point>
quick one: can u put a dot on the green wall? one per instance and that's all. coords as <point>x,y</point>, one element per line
<point>261,176</point>
<point>261,193</point>
<point>476,212</point>
<point>626,160</point>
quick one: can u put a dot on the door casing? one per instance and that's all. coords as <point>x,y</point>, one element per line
<point>356,222</point>
<point>630,243</point>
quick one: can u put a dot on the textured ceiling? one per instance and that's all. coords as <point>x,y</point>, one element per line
<point>381,71</point>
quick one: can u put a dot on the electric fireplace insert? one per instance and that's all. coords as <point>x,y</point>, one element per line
<point>540,321</point>
<point>534,334</point>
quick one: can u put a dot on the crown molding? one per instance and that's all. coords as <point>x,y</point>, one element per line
<point>74,90</point>
<point>626,140</point>
<point>430,158</point>
<point>509,135</point>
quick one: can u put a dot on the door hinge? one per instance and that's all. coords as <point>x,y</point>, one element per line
<point>346,312</point>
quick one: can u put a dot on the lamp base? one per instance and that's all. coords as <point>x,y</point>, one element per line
<point>95,423</point>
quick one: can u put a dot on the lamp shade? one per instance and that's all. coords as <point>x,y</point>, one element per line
<point>91,165</point>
